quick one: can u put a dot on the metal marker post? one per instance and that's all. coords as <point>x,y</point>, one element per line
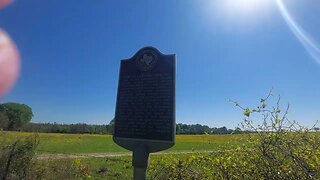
<point>140,163</point>
<point>140,173</point>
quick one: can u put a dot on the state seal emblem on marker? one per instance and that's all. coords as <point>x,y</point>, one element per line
<point>146,60</point>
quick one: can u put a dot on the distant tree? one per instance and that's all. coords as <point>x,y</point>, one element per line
<point>178,129</point>
<point>18,115</point>
<point>111,122</point>
<point>237,131</point>
<point>4,121</point>
<point>110,126</point>
<point>192,129</point>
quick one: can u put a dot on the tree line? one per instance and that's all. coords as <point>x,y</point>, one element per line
<point>203,129</point>
<point>17,117</point>
<point>79,128</point>
<point>82,128</point>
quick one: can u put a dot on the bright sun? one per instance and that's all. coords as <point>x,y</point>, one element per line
<point>241,12</point>
<point>245,7</point>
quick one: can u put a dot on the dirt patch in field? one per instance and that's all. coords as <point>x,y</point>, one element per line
<point>102,155</point>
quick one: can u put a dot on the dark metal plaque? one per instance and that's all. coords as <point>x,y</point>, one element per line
<point>145,106</point>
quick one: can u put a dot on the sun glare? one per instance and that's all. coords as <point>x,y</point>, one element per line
<point>245,6</point>
<point>241,12</point>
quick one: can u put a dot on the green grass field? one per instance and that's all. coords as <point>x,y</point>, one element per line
<point>88,143</point>
<point>206,154</point>
<point>109,167</point>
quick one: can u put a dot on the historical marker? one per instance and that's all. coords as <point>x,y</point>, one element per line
<point>145,109</point>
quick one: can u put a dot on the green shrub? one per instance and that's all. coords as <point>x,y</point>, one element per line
<point>16,157</point>
<point>276,149</point>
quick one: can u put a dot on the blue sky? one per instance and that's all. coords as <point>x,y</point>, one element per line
<point>71,52</point>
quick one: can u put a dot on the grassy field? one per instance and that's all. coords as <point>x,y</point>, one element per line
<point>110,167</point>
<point>227,154</point>
<point>101,168</point>
<point>88,143</point>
